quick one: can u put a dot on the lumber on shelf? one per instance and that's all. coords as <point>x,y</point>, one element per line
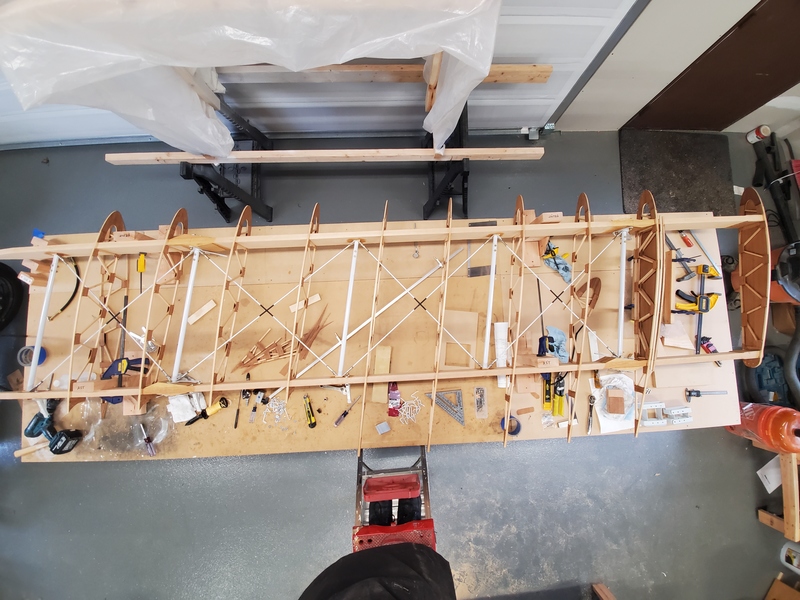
<point>374,73</point>
<point>328,156</point>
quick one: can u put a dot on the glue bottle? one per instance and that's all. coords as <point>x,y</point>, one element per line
<point>775,427</point>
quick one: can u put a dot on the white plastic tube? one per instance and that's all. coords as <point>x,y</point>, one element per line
<point>37,346</point>
<point>623,264</point>
<point>187,307</point>
<point>489,304</point>
<point>347,305</point>
<point>501,350</point>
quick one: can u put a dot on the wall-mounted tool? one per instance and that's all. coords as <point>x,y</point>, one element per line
<point>311,420</point>
<point>211,410</point>
<point>140,266</point>
<point>709,348</point>
<point>689,394</point>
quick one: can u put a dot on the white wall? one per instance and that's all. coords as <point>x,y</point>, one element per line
<point>782,114</point>
<point>666,38</point>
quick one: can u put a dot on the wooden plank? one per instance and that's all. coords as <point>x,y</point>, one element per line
<point>433,81</point>
<point>601,592</point>
<point>383,360</point>
<point>774,521</point>
<point>328,156</point>
<point>791,496</point>
<point>780,591</point>
<point>373,73</point>
<point>200,87</point>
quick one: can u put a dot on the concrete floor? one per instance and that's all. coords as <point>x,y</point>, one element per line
<point>670,515</point>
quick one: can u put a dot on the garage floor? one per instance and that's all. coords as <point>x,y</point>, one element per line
<point>670,515</point>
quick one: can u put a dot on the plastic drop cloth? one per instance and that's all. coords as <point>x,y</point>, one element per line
<point>119,54</point>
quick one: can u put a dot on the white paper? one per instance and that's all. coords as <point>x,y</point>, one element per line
<point>770,474</point>
<point>180,407</point>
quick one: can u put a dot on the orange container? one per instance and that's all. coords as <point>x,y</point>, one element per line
<point>776,427</point>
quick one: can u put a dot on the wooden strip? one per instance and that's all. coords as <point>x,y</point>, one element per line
<point>774,521</point>
<point>440,324</point>
<point>312,300</point>
<point>373,73</point>
<point>328,156</point>
<point>601,592</point>
<point>205,93</point>
<point>791,496</point>
<point>202,311</point>
<point>433,81</point>
<point>460,232</point>
<point>582,211</point>
<point>519,249</point>
<point>371,339</point>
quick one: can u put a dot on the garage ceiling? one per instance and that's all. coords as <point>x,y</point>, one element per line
<point>567,35</point>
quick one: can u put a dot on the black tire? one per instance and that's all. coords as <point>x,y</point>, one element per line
<point>380,513</point>
<point>11,293</point>
<point>409,509</point>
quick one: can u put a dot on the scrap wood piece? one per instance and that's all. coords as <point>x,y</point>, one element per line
<point>201,312</point>
<point>305,303</point>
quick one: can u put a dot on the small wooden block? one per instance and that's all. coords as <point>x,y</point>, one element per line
<point>305,303</point>
<point>163,230</point>
<point>780,591</point>
<point>15,380</point>
<point>546,361</point>
<point>37,241</point>
<point>615,402</point>
<point>527,384</point>
<point>119,236</point>
<point>94,386</point>
<point>36,266</point>
<point>543,245</point>
<point>383,360</point>
<point>201,312</point>
<point>32,279</point>
<point>525,411</point>
<point>129,407</point>
<point>669,286</point>
<point>549,217</point>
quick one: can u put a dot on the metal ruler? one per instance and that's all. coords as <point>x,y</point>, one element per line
<point>454,409</point>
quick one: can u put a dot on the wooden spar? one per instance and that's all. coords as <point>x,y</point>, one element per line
<point>440,321</point>
<point>243,228</point>
<point>381,155</point>
<point>373,73</point>
<point>178,226</point>
<point>313,227</point>
<point>582,211</point>
<point>372,318</point>
<point>519,249</point>
<point>276,240</point>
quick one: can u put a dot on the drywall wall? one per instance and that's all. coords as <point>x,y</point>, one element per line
<point>666,38</point>
<point>782,114</point>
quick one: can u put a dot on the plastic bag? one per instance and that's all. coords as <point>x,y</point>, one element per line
<point>121,55</point>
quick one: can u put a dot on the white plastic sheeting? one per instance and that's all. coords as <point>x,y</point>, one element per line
<point>119,54</point>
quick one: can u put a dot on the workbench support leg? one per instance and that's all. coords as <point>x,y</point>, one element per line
<point>623,265</point>
<point>209,180</point>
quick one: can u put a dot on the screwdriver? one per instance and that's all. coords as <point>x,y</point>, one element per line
<point>345,413</point>
<point>148,442</point>
<point>310,418</point>
<point>140,268</point>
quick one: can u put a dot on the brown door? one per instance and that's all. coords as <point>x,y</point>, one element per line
<point>757,60</point>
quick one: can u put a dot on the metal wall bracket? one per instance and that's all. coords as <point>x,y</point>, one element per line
<point>438,194</point>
